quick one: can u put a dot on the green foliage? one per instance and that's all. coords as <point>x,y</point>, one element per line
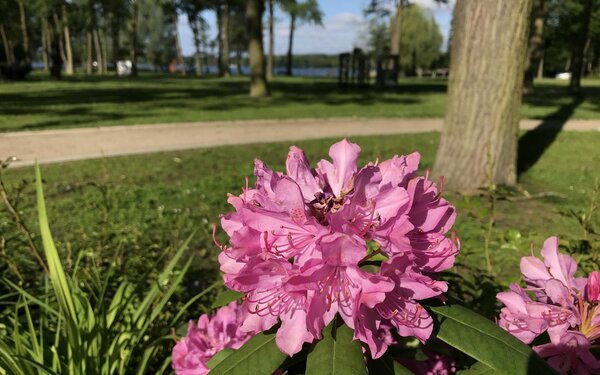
<point>88,331</point>
<point>420,39</point>
<point>482,339</point>
<point>260,355</point>
<point>336,353</point>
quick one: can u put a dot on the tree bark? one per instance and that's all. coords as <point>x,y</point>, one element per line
<point>133,43</point>
<point>114,36</point>
<point>45,44</point>
<point>577,61</point>
<point>540,71</point>
<point>289,62</point>
<point>69,70</point>
<point>271,43</point>
<point>479,139</point>
<point>24,34</point>
<point>535,49</point>
<point>258,81</point>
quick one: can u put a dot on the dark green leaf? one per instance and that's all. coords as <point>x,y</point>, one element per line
<point>260,355</point>
<point>480,369</point>
<point>336,353</point>
<point>225,297</point>
<point>483,340</point>
<point>219,357</point>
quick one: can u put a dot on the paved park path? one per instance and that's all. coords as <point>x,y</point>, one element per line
<point>48,146</point>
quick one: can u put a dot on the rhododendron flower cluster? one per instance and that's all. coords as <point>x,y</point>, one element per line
<point>206,338</point>
<point>305,246</point>
<point>565,306</point>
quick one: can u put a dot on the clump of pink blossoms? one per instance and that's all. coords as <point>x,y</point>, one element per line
<point>302,244</point>
<point>566,307</point>
<point>206,338</point>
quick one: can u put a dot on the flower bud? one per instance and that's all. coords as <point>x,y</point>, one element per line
<point>592,289</point>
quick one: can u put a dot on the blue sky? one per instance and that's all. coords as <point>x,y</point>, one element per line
<point>344,27</point>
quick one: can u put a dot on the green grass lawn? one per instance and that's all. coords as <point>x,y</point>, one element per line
<point>134,207</point>
<point>82,101</point>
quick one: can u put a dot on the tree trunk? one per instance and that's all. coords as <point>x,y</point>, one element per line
<point>104,49</point>
<point>220,64</point>
<point>535,49</point>
<point>97,49</point>
<point>395,24</point>
<point>225,35</point>
<point>271,43</point>
<point>89,50</point>
<point>24,34</point>
<point>479,139</point>
<point>114,36</point>
<point>577,61</point>
<point>45,44</point>
<point>289,62</point>
<point>180,59</point>
<point>193,21</point>
<point>540,71</point>
<point>133,43</point>
<point>258,81</point>
<point>69,70</point>
<point>6,44</point>
<point>238,56</point>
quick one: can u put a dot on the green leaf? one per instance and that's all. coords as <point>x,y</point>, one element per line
<point>336,353</point>
<point>219,357</point>
<point>225,297</point>
<point>480,369</point>
<point>260,355</point>
<point>484,341</point>
<point>387,366</point>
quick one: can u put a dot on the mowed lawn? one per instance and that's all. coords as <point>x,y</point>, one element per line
<point>83,101</point>
<point>139,205</point>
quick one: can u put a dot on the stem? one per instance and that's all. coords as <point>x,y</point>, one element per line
<point>21,224</point>
<point>369,256</point>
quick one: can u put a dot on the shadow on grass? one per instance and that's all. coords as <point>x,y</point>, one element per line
<point>534,143</point>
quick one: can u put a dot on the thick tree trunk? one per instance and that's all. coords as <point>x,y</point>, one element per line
<point>225,35</point>
<point>290,56</point>
<point>24,34</point>
<point>577,61</point>
<point>479,138</point>
<point>6,44</point>
<point>69,70</point>
<point>180,59</point>
<point>535,49</point>
<point>133,42</point>
<point>271,43</point>
<point>258,81</point>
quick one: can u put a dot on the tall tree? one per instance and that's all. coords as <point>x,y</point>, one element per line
<point>133,36</point>
<point>577,60</point>
<point>479,139</point>
<point>421,40</point>
<point>535,49</point>
<point>24,32</point>
<point>258,79</point>
<point>193,10</point>
<point>271,55</point>
<point>300,12</point>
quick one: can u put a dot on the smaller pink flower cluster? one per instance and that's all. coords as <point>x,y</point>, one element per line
<point>566,307</point>
<point>206,338</point>
<point>301,246</point>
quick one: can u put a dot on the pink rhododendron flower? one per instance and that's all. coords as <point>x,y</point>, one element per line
<point>566,307</point>
<point>299,242</point>
<point>206,338</point>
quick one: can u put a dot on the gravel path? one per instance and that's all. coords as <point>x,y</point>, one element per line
<point>49,146</point>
